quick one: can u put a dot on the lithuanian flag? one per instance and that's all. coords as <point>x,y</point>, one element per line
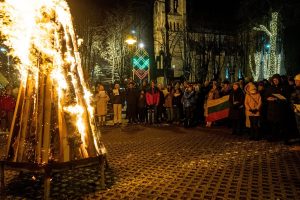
<point>217,109</point>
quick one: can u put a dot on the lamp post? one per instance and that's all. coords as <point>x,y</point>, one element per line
<point>131,41</point>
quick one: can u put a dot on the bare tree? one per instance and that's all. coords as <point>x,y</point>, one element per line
<point>114,34</point>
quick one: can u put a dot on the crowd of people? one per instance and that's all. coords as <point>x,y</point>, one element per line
<point>267,109</point>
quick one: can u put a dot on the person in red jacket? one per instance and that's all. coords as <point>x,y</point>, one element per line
<point>7,107</point>
<point>152,98</point>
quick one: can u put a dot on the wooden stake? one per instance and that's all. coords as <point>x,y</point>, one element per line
<point>47,182</point>
<point>64,144</point>
<point>47,119</point>
<point>102,172</point>
<point>91,149</point>
<point>17,112</point>
<point>2,183</point>
<point>24,120</point>
<point>40,117</point>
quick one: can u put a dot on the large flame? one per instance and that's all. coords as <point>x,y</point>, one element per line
<point>33,30</point>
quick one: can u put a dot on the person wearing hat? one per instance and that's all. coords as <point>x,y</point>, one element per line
<point>252,109</point>
<point>295,101</point>
<point>277,108</point>
<point>132,100</point>
<point>236,108</point>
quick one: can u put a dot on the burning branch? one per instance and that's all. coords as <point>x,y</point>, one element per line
<point>54,118</point>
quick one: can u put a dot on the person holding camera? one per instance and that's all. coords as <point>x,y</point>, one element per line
<point>252,109</point>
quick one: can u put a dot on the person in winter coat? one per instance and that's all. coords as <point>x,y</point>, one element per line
<point>188,101</point>
<point>252,108</point>
<point>131,99</point>
<point>177,105</point>
<point>117,101</point>
<point>226,90</point>
<point>236,114</point>
<point>160,107</point>
<point>295,101</point>
<point>277,108</point>
<point>261,88</point>
<point>102,99</point>
<point>152,98</point>
<point>142,107</point>
<point>212,94</point>
<point>7,107</point>
<point>168,104</point>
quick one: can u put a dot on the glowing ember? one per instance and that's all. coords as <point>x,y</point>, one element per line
<point>41,35</point>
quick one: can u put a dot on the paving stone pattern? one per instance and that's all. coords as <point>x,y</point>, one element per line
<point>176,163</point>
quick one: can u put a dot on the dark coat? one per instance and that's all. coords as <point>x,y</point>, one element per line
<point>176,101</point>
<point>236,103</point>
<point>142,101</point>
<point>295,97</point>
<point>161,99</point>
<point>117,97</point>
<point>188,99</point>
<point>276,109</point>
<point>132,96</point>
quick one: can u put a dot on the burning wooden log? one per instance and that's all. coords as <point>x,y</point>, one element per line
<point>54,118</point>
<point>53,124</point>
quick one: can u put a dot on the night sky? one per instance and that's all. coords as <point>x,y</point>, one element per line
<point>216,14</point>
<point>210,10</point>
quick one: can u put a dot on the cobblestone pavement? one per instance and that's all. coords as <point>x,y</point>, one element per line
<point>176,163</point>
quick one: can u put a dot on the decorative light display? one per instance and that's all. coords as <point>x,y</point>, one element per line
<point>141,63</point>
<point>227,75</point>
<point>257,64</point>
<point>240,74</point>
<point>273,39</point>
<point>268,61</point>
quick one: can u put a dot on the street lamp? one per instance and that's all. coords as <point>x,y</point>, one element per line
<point>131,41</point>
<point>141,45</point>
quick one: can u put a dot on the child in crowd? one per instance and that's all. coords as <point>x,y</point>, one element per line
<point>142,107</point>
<point>102,99</point>
<point>252,109</point>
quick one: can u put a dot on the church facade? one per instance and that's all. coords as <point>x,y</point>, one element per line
<point>199,52</point>
<point>176,17</point>
<point>195,53</point>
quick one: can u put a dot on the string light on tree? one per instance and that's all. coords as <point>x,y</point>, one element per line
<point>271,58</point>
<point>274,68</point>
